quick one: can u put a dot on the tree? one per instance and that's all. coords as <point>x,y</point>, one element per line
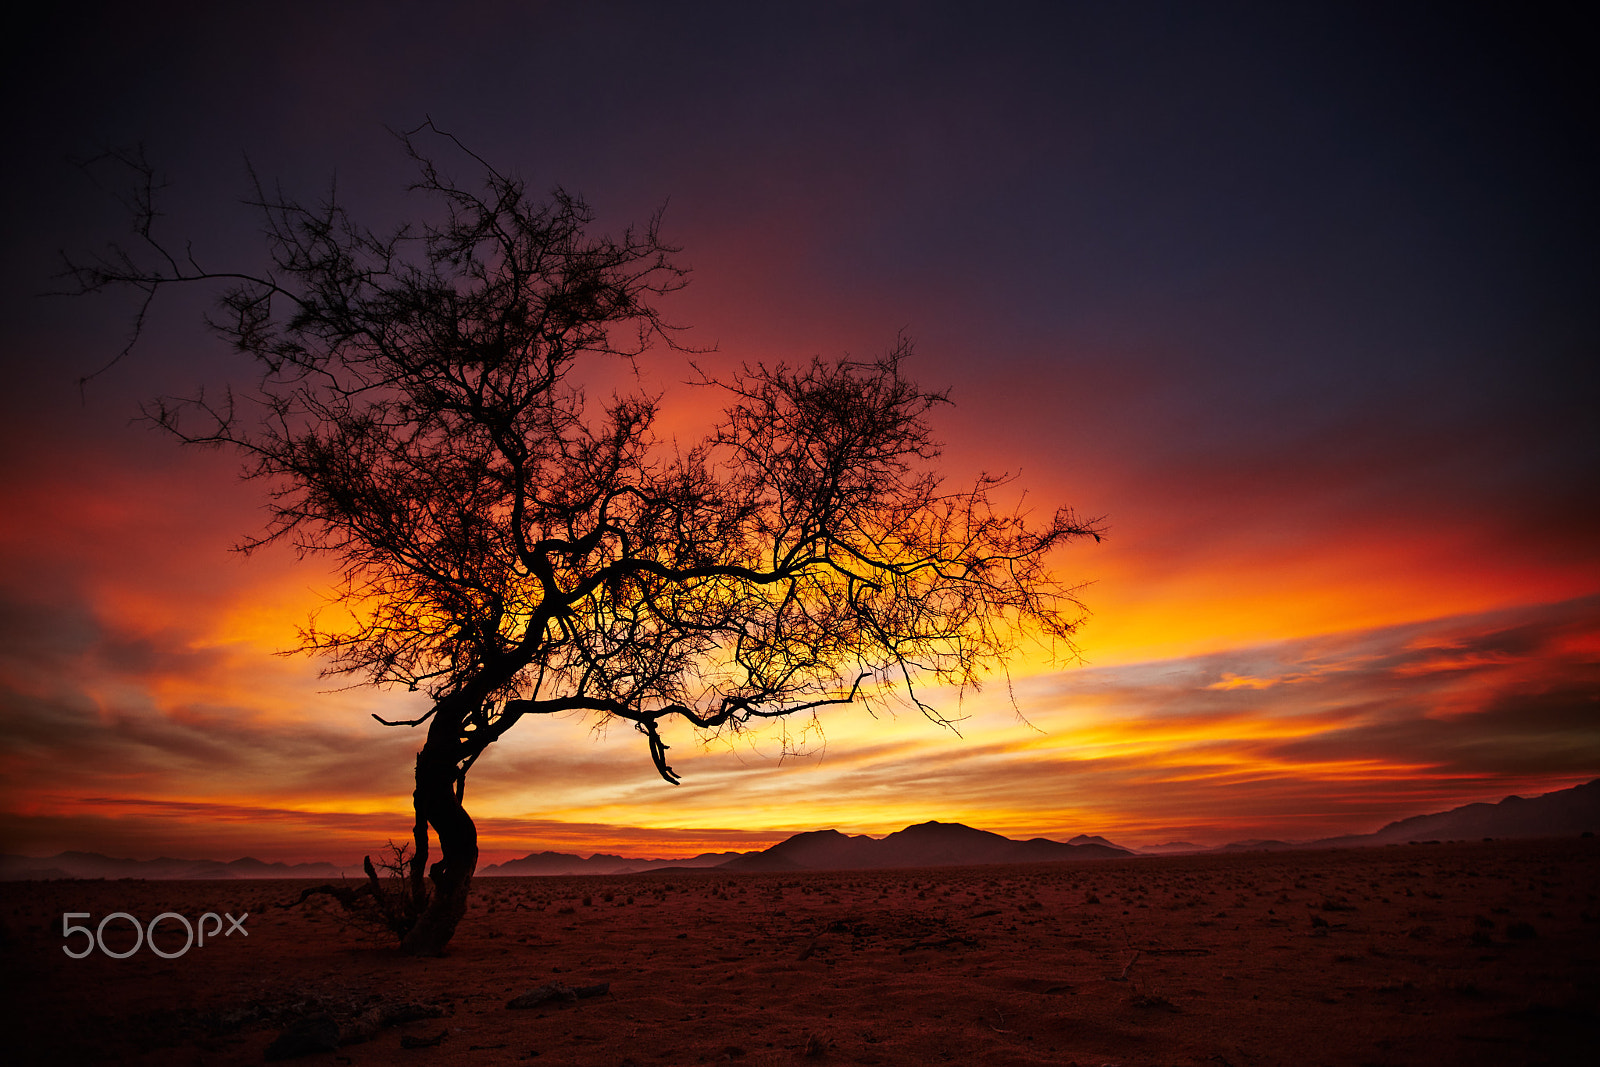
<point>512,550</point>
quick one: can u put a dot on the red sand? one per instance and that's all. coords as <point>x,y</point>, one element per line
<point>1484,953</point>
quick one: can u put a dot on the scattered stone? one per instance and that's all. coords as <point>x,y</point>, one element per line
<point>544,994</point>
<point>948,942</point>
<point>315,1033</point>
<point>1152,1002</point>
<point>365,1026</point>
<point>407,1041</point>
<point>555,992</point>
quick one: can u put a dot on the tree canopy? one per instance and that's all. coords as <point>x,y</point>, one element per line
<point>511,547</point>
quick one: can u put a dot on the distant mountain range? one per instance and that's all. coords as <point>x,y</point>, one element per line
<point>931,844</point>
<point>599,863</point>
<point>1566,813</point>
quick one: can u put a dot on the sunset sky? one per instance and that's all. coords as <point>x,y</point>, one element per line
<point>1305,305</point>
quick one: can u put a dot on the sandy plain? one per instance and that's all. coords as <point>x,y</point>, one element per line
<point>1481,953</point>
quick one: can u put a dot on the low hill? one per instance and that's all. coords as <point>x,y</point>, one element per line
<point>556,863</point>
<point>1564,813</point>
<point>929,844</point>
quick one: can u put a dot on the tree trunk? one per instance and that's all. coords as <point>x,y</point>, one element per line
<point>438,805</point>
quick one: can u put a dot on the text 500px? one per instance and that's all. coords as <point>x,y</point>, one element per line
<point>147,935</point>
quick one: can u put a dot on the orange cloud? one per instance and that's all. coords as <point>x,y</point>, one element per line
<point>1239,681</point>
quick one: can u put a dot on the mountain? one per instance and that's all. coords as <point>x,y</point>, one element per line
<point>929,844</point>
<point>1171,848</point>
<point>551,863</point>
<point>1096,839</point>
<point>1564,813</point>
<point>554,863</point>
<point>812,850</point>
<point>95,865</point>
<point>1257,845</point>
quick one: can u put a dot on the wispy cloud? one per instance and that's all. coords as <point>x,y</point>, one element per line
<point>1295,739</point>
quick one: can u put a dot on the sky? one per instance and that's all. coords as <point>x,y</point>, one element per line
<point>1302,302</point>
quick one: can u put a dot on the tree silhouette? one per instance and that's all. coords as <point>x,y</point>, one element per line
<point>513,550</point>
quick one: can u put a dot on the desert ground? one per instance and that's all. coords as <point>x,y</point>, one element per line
<point>1454,953</point>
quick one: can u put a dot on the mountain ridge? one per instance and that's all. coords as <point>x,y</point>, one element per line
<point>928,844</point>
<point>1562,813</point>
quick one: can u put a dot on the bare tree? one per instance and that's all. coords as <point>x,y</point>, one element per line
<point>513,550</point>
